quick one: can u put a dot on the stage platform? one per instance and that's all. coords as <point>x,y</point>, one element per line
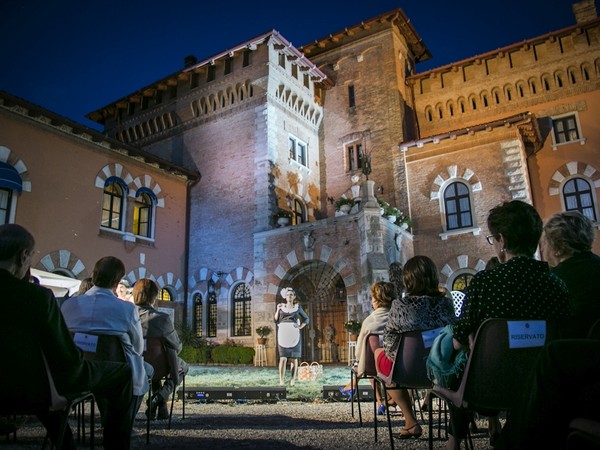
<point>203,393</point>
<point>242,393</point>
<point>331,392</point>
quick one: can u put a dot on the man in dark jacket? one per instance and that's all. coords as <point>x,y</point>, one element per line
<point>156,324</point>
<point>30,324</point>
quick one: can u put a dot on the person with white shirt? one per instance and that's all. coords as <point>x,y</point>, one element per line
<point>99,310</point>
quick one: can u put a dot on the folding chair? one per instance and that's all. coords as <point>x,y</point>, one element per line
<point>373,341</point>
<point>502,355</point>
<point>104,347</point>
<point>584,435</point>
<point>53,403</point>
<point>594,331</point>
<point>409,371</point>
<point>165,366</point>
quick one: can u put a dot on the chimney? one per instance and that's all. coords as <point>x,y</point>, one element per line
<point>585,11</point>
<point>189,60</point>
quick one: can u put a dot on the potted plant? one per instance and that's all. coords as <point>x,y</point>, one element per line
<point>263,332</point>
<point>353,328</point>
<point>403,221</point>
<point>383,206</point>
<point>282,217</point>
<point>392,213</point>
<point>344,204</point>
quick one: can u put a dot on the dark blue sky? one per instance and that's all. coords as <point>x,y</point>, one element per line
<point>75,56</point>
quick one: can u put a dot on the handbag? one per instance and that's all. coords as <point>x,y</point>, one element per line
<point>310,372</point>
<point>316,370</point>
<point>304,372</point>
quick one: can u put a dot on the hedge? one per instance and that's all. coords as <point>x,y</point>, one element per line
<point>219,354</point>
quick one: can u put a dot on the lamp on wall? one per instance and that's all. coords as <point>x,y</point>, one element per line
<point>380,189</point>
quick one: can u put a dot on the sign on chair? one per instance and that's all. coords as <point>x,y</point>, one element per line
<point>526,333</point>
<point>86,342</point>
<point>429,336</point>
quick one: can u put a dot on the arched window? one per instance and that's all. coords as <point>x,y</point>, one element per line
<point>198,315</point>
<point>10,181</point>
<point>457,205</point>
<point>165,295</point>
<point>211,322</point>
<point>546,82</point>
<point>297,212</point>
<point>143,213</point>
<point>5,205</point>
<point>577,195</point>
<point>241,310</point>
<point>113,203</point>
<point>461,282</point>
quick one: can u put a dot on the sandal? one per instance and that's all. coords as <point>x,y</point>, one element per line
<point>406,433</point>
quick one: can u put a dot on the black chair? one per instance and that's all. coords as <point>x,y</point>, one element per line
<point>502,355</point>
<point>54,402</point>
<point>165,366</point>
<point>104,347</point>
<point>584,435</point>
<point>409,371</point>
<point>373,341</point>
<point>594,331</point>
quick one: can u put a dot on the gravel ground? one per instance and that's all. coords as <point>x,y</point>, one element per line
<point>258,425</point>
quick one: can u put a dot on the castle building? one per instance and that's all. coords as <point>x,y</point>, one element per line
<point>283,133</point>
<point>84,196</point>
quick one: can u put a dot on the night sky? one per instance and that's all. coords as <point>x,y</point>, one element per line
<point>73,57</point>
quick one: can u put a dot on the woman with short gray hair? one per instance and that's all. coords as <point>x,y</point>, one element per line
<point>567,247</point>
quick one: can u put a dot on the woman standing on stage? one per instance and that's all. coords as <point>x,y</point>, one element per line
<point>290,319</point>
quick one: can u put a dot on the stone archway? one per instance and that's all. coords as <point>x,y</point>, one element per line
<point>322,294</point>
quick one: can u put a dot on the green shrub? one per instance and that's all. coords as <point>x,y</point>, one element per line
<point>199,351</point>
<point>189,354</point>
<point>232,354</point>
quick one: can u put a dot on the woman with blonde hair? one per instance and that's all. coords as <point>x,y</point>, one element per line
<point>383,294</point>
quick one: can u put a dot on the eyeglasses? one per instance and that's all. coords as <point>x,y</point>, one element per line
<point>490,239</point>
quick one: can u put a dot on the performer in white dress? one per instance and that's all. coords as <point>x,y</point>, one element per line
<point>290,319</point>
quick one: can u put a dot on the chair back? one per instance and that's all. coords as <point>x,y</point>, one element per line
<point>410,368</point>
<point>100,347</point>
<point>458,297</point>
<point>157,356</point>
<point>373,342</point>
<point>594,332</point>
<point>503,354</point>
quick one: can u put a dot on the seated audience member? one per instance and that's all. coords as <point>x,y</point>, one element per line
<point>123,290</point>
<point>424,307</point>
<point>567,246</point>
<point>520,288</point>
<point>31,322</point>
<point>565,385</point>
<point>382,295</point>
<point>156,324</point>
<point>86,284</point>
<point>100,311</point>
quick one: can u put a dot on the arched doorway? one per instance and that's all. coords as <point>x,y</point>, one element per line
<point>322,294</point>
